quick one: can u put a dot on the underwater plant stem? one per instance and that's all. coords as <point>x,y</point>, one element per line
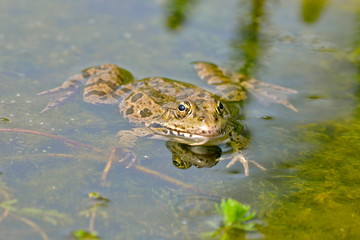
<point>108,166</point>
<point>34,226</point>
<point>7,197</point>
<point>4,215</point>
<point>110,160</point>
<point>52,136</point>
<point>165,177</point>
<point>92,222</point>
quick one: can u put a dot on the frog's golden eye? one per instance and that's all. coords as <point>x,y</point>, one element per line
<point>183,109</point>
<point>220,107</point>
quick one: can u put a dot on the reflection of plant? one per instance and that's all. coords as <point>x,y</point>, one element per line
<point>312,10</point>
<point>177,12</point>
<point>234,220</point>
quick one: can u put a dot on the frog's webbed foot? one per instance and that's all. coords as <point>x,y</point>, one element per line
<point>221,79</point>
<point>211,73</point>
<point>63,93</point>
<point>270,93</point>
<point>232,85</point>
<point>238,143</point>
<point>239,157</point>
<point>128,157</point>
<point>127,141</point>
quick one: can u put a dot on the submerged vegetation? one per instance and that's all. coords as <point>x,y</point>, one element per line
<point>323,195</point>
<point>29,216</point>
<point>235,218</point>
<point>84,235</point>
<point>4,120</point>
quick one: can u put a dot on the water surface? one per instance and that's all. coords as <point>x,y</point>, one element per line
<point>311,190</point>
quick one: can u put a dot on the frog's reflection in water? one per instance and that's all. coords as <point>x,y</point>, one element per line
<point>185,156</point>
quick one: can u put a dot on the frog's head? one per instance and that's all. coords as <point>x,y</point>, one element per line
<point>194,122</point>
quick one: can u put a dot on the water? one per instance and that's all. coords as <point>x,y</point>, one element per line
<point>311,189</point>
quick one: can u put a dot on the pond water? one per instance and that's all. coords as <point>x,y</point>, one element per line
<point>51,162</point>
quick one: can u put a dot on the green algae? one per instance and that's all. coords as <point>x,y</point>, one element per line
<point>323,195</point>
<point>319,196</point>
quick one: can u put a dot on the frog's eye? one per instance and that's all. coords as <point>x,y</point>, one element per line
<point>220,107</point>
<point>183,109</point>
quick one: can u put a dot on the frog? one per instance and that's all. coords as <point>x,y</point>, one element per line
<point>171,110</point>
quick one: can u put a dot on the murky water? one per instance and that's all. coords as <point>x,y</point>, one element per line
<point>50,162</point>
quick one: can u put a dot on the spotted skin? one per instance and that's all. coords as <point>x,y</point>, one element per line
<point>102,84</point>
<point>233,86</point>
<point>162,108</point>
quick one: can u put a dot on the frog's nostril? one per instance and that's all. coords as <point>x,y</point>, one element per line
<point>201,118</point>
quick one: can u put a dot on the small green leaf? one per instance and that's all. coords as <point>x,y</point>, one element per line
<point>84,235</point>
<point>234,219</point>
<point>98,197</point>
<point>233,212</point>
<point>4,120</point>
<point>9,202</point>
<point>8,205</point>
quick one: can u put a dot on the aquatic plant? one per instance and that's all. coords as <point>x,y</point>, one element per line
<point>27,214</point>
<point>322,196</point>
<point>84,235</point>
<point>234,220</point>
<point>97,203</point>
<point>4,120</point>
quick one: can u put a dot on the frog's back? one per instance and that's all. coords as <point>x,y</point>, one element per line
<point>150,97</point>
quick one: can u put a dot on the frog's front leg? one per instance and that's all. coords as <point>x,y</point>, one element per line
<point>238,143</point>
<point>127,142</point>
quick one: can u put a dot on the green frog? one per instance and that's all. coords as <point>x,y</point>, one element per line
<point>161,108</point>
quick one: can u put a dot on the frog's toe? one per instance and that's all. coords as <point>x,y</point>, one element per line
<point>61,97</point>
<point>270,93</point>
<point>62,93</point>
<point>128,158</point>
<point>245,162</point>
<point>240,158</point>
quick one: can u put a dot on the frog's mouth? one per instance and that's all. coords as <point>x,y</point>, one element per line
<point>192,138</point>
